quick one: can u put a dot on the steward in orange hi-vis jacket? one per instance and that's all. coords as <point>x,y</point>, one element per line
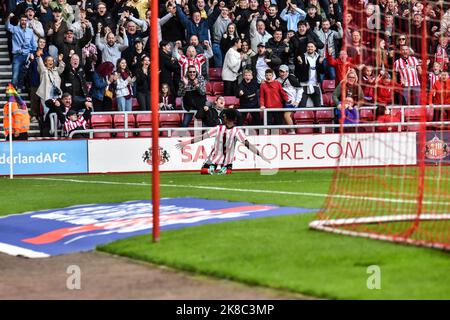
<point>20,121</point>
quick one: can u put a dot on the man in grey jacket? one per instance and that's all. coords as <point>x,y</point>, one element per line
<point>219,28</point>
<point>328,37</point>
<point>111,50</point>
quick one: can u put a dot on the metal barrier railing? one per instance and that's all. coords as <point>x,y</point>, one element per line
<point>399,126</point>
<point>54,131</point>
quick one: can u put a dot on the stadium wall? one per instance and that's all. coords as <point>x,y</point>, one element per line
<point>134,155</point>
<point>45,157</point>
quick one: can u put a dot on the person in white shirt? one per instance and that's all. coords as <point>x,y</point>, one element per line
<point>258,32</point>
<point>231,67</point>
<point>291,86</point>
<point>34,24</point>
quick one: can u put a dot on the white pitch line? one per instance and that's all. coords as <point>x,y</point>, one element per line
<point>309,194</point>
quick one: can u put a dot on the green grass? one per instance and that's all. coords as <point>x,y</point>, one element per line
<point>279,252</point>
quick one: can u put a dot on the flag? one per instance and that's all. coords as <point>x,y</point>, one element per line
<point>13,96</point>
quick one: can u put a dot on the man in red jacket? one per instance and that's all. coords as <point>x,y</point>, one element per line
<point>385,89</point>
<point>273,96</point>
<point>440,95</point>
<point>341,64</point>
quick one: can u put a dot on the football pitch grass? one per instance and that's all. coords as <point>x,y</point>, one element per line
<point>279,252</point>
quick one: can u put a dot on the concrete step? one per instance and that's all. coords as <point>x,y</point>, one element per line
<point>6,75</point>
<point>6,67</point>
<point>3,95</point>
<point>3,40</point>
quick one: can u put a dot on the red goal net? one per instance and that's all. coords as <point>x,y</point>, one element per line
<point>400,191</point>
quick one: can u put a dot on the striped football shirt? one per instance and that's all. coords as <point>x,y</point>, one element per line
<point>224,144</point>
<point>408,71</point>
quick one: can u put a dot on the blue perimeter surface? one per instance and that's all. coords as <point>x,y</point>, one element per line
<point>83,227</point>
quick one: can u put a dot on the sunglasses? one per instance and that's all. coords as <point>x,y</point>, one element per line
<point>401,39</point>
<point>192,71</point>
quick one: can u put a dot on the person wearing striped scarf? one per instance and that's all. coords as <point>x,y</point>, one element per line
<point>75,122</point>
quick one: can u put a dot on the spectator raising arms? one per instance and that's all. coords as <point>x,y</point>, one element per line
<point>111,50</point>
<point>50,80</point>
<point>226,135</point>
<point>75,123</point>
<point>193,91</point>
<point>310,66</point>
<point>23,45</point>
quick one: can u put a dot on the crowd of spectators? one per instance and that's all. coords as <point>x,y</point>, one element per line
<point>271,53</point>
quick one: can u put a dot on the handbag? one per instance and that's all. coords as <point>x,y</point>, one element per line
<point>108,93</point>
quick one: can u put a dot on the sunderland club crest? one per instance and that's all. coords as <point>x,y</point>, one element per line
<point>436,149</point>
<point>163,156</point>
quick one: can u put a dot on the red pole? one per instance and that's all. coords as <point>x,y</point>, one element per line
<point>154,91</point>
<point>423,128</point>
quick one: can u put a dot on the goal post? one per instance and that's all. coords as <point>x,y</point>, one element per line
<point>406,199</point>
<point>154,92</point>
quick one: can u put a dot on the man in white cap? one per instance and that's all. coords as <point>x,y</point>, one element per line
<point>291,86</point>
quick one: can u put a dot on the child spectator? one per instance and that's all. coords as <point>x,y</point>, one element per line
<point>248,97</point>
<point>368,82</point>
<point>291,86</point>
<point>348,113</point>
<point>433,76</point>
<point>273,96</point>
<point>166,99</point>
<point>385,89</point>
<point>384,115</point>
<point>211,114</point>
<point>75,122</point>
<point>440,96</point>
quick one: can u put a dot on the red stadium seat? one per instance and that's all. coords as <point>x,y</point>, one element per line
<point>169,120</point>
<point>413,115</point>
<point>209,88</point>
<point>218,88</point>
<point>325,117</point>
<point>430,114</point>
<point>114,104</point>
<point>304,117</point>
<point>119,123</point>
<point>101,121</point>
<point>211,98</point>
<point>231,101</point>
<point>328,100</point>
<point>328,86</point>
<point>215,74</point>
<point>366,115</point>
<point>144,121</point>
<point>396,112</point>
<point>179,103</point>
<point>135,105</point>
